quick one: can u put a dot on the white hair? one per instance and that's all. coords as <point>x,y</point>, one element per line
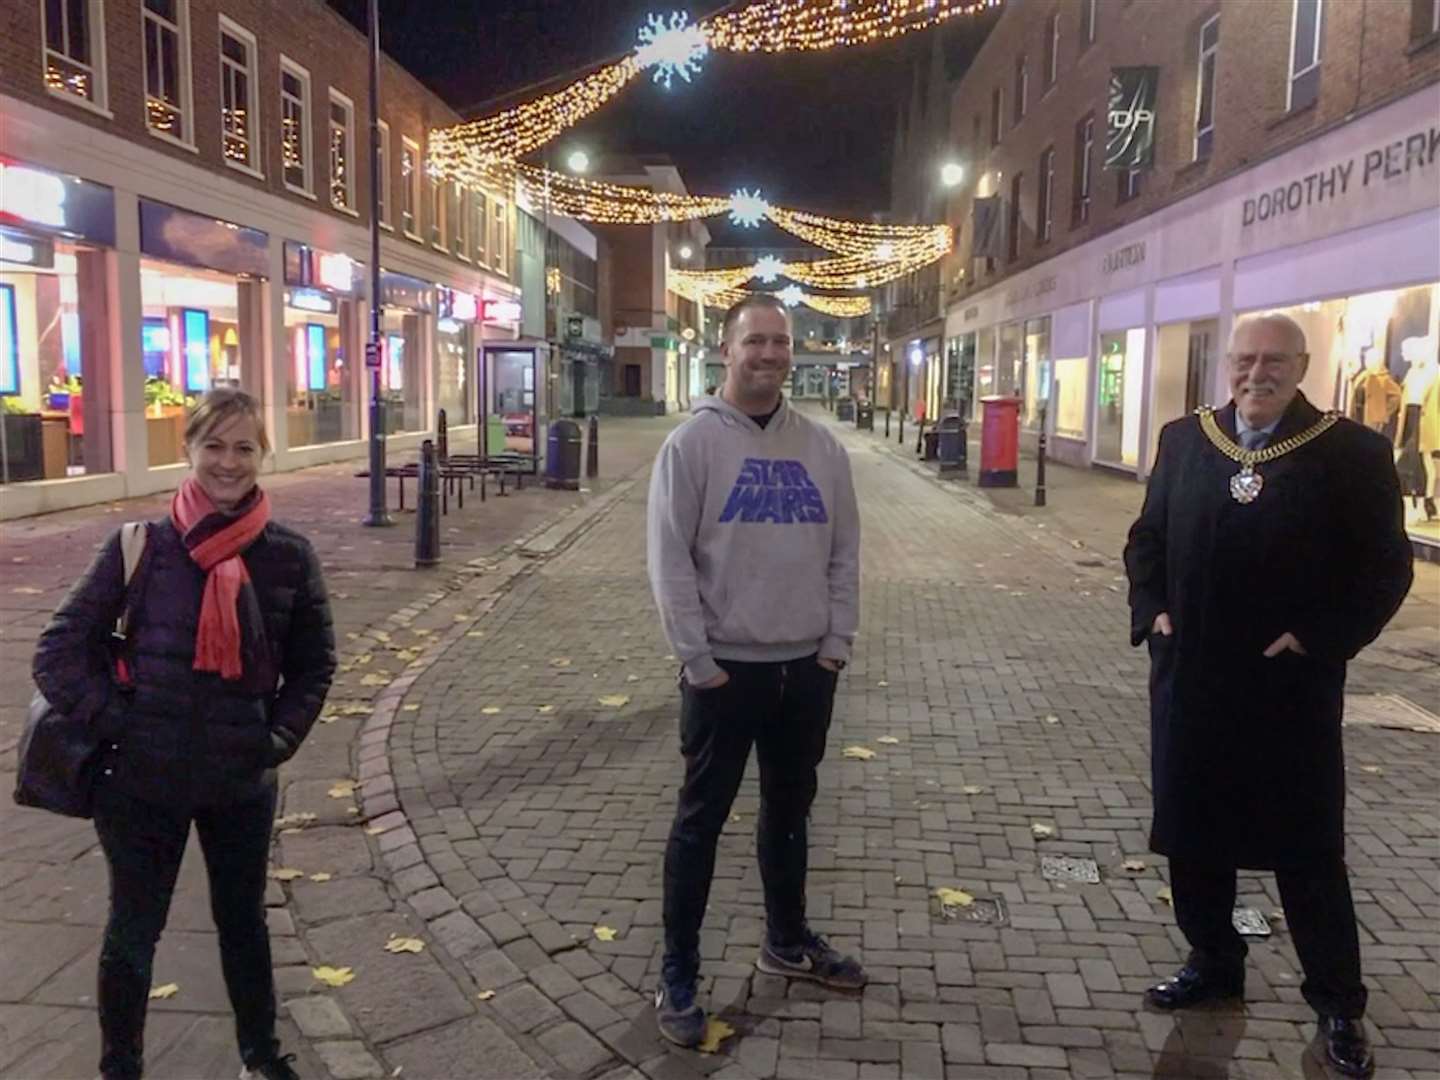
<point>1271,318</point>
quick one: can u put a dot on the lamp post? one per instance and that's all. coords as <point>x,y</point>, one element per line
<point>378,514</point>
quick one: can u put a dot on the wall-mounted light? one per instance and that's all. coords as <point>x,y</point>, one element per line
<point>578,161</point>
<point>952,173</point>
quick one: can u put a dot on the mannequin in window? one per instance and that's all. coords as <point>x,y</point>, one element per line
<point>1419,437</point>
<point>1376,394</point>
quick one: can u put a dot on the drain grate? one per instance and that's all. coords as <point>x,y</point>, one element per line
<point>986,911</point>
<point>1250,923</point>
<point>1066,868</point>
<point>1389,711</point>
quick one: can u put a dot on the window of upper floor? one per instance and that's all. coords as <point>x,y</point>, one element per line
<point>1012,234</point>
<point>1127,185</point>
<point>410,188</point>
<point>168,91</point>
<point>1045,197</point>
<point>1424,18</point>
<point>1205,87</point>
<point>1022,87</point>
<point>1083,179</point>
<point>342,152</point>
<point>1307,25</point>
<point>997,114</point>
<point>1087,23</point>
<point>383,167</point>
<point>435,199</point>
<point>1052,49</point>
<point>73,42</point>
<point>239,98</point>
<point>479,226</point>
<point>295,153</point>
<point>500,238</point>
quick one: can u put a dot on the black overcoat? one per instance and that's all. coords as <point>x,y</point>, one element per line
<point>1247,764</point>
<point>187,738</point>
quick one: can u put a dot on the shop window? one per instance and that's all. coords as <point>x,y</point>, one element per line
<point>1045,197</point>
<point>402,375</point>
<point>1424,18</point>
<point>1118,398</point>
<point>1087,23</point>
<point>295,126</point>
<point>480,215</point>
<point>1084,165</point>
<point>1205,88</point>
<point>195,347</point>
<point>1306,31</point>
<point>454,343</point>
<point>239,109</point>
<point>323,405</point>
<point>9,343</point>
<point>384,171</point>
<point>1052,49</point>
<point>167,69</point>
<point>410,188</point>
<point>75,50</point>
<point>1068,392</point>
<point>1022,87</point>
<point>997,110</point>
<point>342,152</point>
<point>1035,373</point>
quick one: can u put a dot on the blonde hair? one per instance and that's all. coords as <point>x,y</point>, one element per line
<point>221,405</point>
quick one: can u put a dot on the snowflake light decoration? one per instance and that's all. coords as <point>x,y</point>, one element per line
<point>672,47</point>
<point>791,295</point>
<point>747,208</point>
<point>768,267</point>
<point>885,250</point>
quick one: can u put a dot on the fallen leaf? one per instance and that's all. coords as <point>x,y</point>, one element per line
<point>404,944</point>
<point>284,873</point>
<point>160,993</point>
<point>27,590</point>
<point>560,661</point>
<point>615,701</point>
<point>1277,916</point>
<point>485,995</point>
<point>375,679</point>
<point>353,708</point>
<point>363,659</point>
<point>888,740</point>
<point>320,877</point>
<point>954,897</point>
<point>410,708</point>
<point>301,818</point>
<point>1052,719</point>
<point>882,683</point>
<point>406,655</point>
<point>380,635</point>
<point>1134,865</point>
<point>1165,895</point>
<point>462,618</point>
<point>375,830</point>
<point>329,718</point>
<point>860,753</point>
<point>632,678</point>
<point>546,709</point>
<point>1040,832</point>
<point>475,633</point>
<point>490,710</point>
<point>352,810</point>
<point>604,933</point>
<point>716,1032</point>
<point>1373,770</point>
<point>423,633</point>
<point>342,789</point>
<point>331,976</point>
<point>973,789</point>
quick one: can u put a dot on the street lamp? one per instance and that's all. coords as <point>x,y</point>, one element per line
<point>578,161</point>
<point>952,173</point>
<point>686,251</point>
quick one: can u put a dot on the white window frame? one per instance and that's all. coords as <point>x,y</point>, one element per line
<point>413,190</point>
<point>1044,225</point>
<point>997,115</point>
<point>1085,197</point>
<point>1435,16</point>
<point>348,132</point>
<point>1087,22</point>
<point>386,208</point>
<point>480,215</point>
<point>1022,89</point>
<point>184,84</point>
<point>499,237</point>
<point>1052,73</point>
<point>1315,51</point>
<point>99,82</point>
<point>435,185</point>
<point>1204,54</point>
<point>251,166</point>
<point>462,224</point>
<point>307,123</point>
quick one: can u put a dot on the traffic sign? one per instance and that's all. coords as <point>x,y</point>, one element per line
<point>372,354</point>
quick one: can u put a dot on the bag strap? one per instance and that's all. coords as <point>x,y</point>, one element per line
<point>133,537</point>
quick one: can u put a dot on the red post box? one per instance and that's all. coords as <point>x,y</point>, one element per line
<point>1000,442</point>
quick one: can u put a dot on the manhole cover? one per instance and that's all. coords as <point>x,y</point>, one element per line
<point>1389,711</point>
<point>1065,868</point>
<point>1249,922</point>
<point>986,910</point>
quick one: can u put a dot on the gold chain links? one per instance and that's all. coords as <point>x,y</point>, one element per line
<point>1235,452</point>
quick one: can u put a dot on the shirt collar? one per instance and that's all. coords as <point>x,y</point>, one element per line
<point>1241,427</point>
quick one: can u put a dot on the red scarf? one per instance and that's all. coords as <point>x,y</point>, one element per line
<point>215,542</point>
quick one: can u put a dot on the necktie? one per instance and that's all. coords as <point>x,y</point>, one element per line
<point>1254,440</point>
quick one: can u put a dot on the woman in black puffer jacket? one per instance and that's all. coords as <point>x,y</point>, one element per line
<point>229,655</point>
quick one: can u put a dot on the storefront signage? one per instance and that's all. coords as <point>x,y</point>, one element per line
<point>458,305</point>
<point>502,311</point>
<point>310,300</point>
<point>26,250</point>
<point>312,268</point>
<point>404,291</point>
<point>1031,291</point>
<point>1130,128</point>
<point>49,202</point>
<point>972,312</point>
<point>1374,167</point>
<point>175,235</point>
<point>1123,258</point>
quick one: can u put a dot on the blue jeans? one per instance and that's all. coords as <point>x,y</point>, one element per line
<point>143,844</point>
<point>783,709</point>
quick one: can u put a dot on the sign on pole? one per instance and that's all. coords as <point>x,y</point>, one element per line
<point>372,354</point>
<point>1130,125</point>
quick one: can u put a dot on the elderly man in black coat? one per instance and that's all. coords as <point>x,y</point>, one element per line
<point>1270,550</point>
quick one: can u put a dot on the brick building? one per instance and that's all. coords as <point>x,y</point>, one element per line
<point>1296,167</point>
<point>184,204</point>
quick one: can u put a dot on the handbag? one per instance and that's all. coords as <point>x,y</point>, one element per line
<point>59,754</point>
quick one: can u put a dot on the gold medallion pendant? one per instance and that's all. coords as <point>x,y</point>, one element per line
<point>1246,485</point>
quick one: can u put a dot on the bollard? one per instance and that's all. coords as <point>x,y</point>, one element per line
<point>901,439</point>
<point>442,436</point>
<point>427,508</point>
<point>1040,463</point>
<point>887,423</point>
<point>592,448</point>
<point>920,439</point>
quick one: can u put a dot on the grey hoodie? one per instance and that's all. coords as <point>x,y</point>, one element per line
<point>754,540</point>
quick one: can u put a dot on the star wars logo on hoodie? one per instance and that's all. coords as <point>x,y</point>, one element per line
<point>778,491</point>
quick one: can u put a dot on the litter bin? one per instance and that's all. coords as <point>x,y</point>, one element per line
<point>845,409</point>
<point>864,416</point>
<point>930,443</point>
<point>951,447</point>
<point>562,458</point>
<point>1000,442</point>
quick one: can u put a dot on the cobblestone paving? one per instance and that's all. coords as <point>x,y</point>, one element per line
<point>536,765</point>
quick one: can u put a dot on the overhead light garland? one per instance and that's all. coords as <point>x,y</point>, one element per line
<point>794,25</point>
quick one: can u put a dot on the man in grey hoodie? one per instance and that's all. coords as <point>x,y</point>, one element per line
<point>754,558</point>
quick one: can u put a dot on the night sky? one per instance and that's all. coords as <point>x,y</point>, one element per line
<point>810,131</point>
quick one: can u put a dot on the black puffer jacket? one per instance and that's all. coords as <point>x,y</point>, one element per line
<point>185,737</point>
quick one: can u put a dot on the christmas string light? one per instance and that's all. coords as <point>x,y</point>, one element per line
<point>808,25</point>
<point>862,238</point>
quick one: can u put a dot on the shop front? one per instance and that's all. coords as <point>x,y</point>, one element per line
<point>456,360</point>
<point>407,304</point>
<point>512,406</point>
<point>56,400</point>
<point>324,369</point>
<point>202,284</point>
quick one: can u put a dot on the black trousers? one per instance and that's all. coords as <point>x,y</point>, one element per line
<point>1318,910</point>
<point>784,711</point>
<point>143,844</point>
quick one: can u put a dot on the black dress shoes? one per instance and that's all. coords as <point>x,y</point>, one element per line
<point>1347,1050</point>
<point>1189,986</point>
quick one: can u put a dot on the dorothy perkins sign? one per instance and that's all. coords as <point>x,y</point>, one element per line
<point>1130,124</point>
<point>1372,169</point>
